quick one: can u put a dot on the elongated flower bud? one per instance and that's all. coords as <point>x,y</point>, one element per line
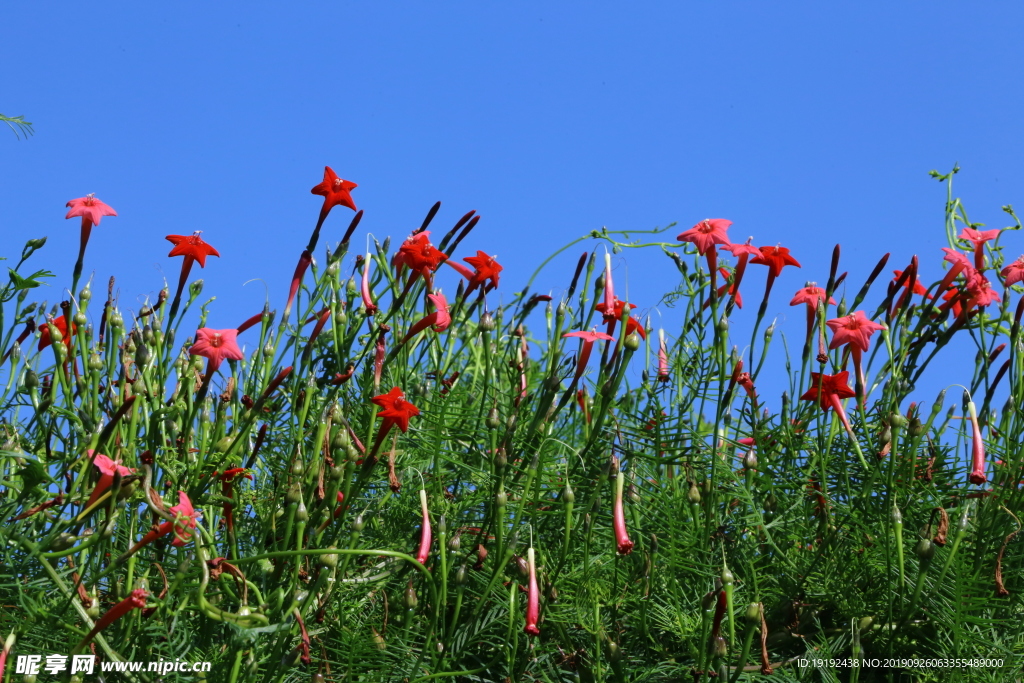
<point>663,375</point>
<point>368,305</point>
<point>425,537</point>
<point>533,596</point>
<point>977,448</point>
<point>622,542</point>
<point>137,599</point>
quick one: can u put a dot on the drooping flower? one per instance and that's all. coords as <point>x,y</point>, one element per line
<point>706,234</point>
<point>216,346</point>
<point>195,250</point>
<point>419,255</point>
<point>136,600</point>
<point>61,323</point>
<point>108,469</point>
<point>532,595</point>
<point>978,238</point>
<point>1013,273</point>
<point>369,307</point>
<point>438,321</point>
<point>918,287</point>
<point>335,191</point>
<point>485,268</point>
<point>588,337</point>
<point>425,536</point>
<point>623,545</point>
<point>828,390</point>
<point>854,329</point>
<point>776,258</point>
<point>185,517</point>
<point>300,270</point>
<point>395,410</point>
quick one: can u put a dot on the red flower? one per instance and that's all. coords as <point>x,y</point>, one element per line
<point>731,288</point>
<point>854,329</point>
<point>396,411</point>
<point>369,307</point>
<point>533,596</point>
<point>137,600</point>
<point>588,337</point>
<point>90,209</point>
<point>978,238</point>
<point>425,537</point>
<point>827,390</point>
<point>1013,273</point>
<point>108,468</point>
<point>706,234</point>
<point>980,291</point>
<point>419,255</point>
<point>185,517</point>
<point>438,321</point>
<point>335,191</point>
<point>615,314</point>
<point>192,247</point>
<point>486,268</point>
<point>810,295</point>
<point>776,258</point>
<point>918,287</point>
<point>215,346</point>
<point>61,323</point>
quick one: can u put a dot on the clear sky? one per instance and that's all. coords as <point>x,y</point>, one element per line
<point>806,123</point>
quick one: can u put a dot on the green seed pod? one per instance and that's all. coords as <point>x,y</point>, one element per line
<point>293,495</point>
<point>896,419</point>
<point>501,499</point>
<point>142,355</point>
<point>753,615</point>
<point>95,362</point>
<point>410,597</point>
<point>15,353</point>
<point>63,542</point>
<point>460,576</point>
<point>79,319</point>
<point>301,513</point>
<point>500,459</point>
<point>614,653</point>
<point>722,325</point>
<point>29,678</point>
<point>487,322</point>
<point>266,567</point>
<point>357,524</point>
<point>727,578</point>
<point>329,560</point>
<point>632,341</point>
<point>297,468</point>
<point>351,290</point>
<point>719,647</point>
<point>378,641</point>
<point>522,568</point>
<point>340,317</point>
<point>567,494</point>
<point>337,473</point>
<point>93,610</point>
<point>195,289</point>
<point>31,379</point>
<point>925,549</point>
<point>865,623</point>
<point>693,495</point>
<point>455,542</point>
<point>916,427</point>
<point>147,334</point>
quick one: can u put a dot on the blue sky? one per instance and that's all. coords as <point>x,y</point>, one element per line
<point>805,123</point>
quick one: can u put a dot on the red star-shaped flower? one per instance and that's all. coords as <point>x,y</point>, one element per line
<point>418,254</point>
<point>486,268</point>
<point>191,246</point>
<point>810,295</point>
<point>90,209</point>
<point>335,191</point>
<point>831,386</point>
<point>632,325</point>
<point>854,329</point>
<point>1013,273</point>
<point>216,346</point>
<point>918,287</point>
<point>978,237</point>
<point>706,234</point>
<point>776,258</point>
<point>395,410</point>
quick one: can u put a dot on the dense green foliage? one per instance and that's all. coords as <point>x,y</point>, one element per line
<point>762,530</point>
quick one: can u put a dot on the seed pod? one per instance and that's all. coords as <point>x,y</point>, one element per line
<point>293,495</point>
<point>501,499</point>
<point>319,677</point>
<point>410,597</point>
<point>460,576</point>
<point>925,549</point>
<point>865,623</point>
<point>567,494</point>
<point>719,647</point>
<point>79,319</point>
<point>753,615</point>
<point>487,322</point>
<point>693,495</point>
<point>522,567</point>
<point>301,513</point>
<point>329,560</point>
<point>266,567</point>
<point>632,341</point>
<point>95,362</point>
<point>727,578</point>
<point>722,325</point>
<point>614,653</point>
<point>297,468</point>
<point>357,524</point>
<point>896,419</point>
<point>500,459</point>
<point>31,379</point>
<point>454,543</point>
